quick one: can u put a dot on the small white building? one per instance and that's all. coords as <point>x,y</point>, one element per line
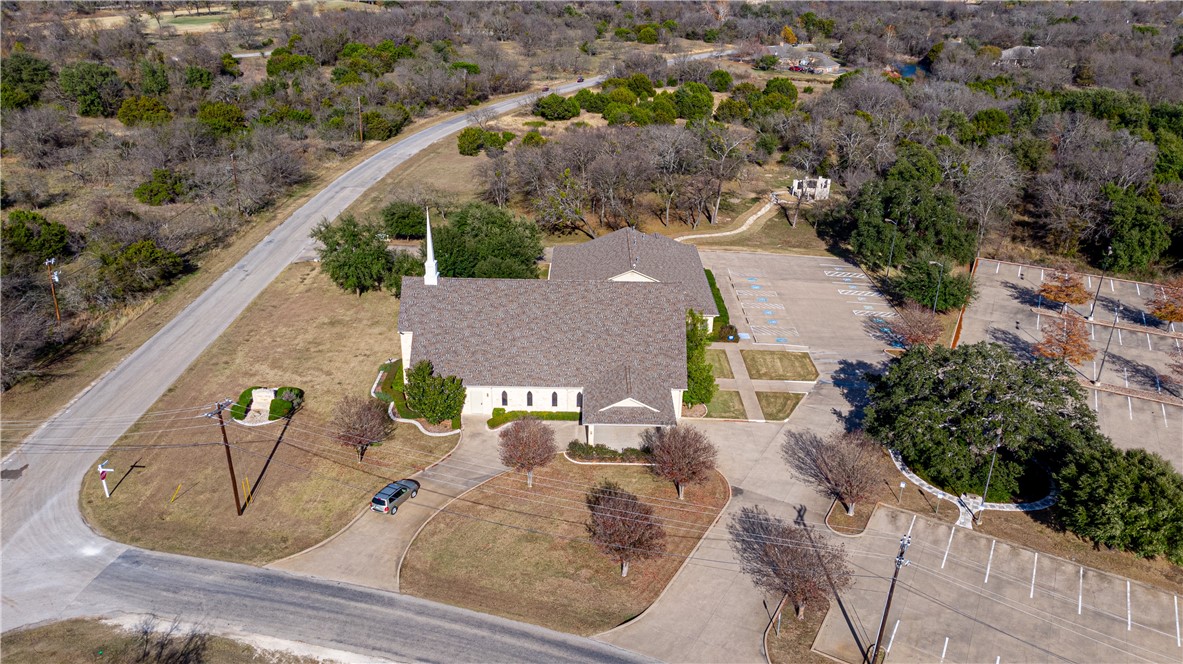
<point>811,189</point>
<point>604,336</point>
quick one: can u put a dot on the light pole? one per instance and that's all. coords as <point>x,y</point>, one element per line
<point>1105,355</point>
<point>1096,295</point>
<point>989,475</point>
<point>891,253</point>
<point>940,276</point>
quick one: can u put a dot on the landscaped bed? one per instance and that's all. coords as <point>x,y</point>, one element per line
<point>726,405</point>
<point>719,364</point>
<point>178,497</point>
<point>502,417</point>
<point>778,406</point>
<point>390,390</point>
<point>778,365</point>
<point>523,554</point>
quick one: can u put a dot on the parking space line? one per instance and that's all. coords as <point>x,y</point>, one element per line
<point>947,638</point>
<point>892,639</point>
<point>1164,416</point>
<point>1148,346</point>
<point>991,560</point>
<point>997,265</point>
<point>1033,568</point>
<point>947,546</point>
<point>1111,290</point>
<point>1139,289</point>
<point>1041,275</point>
<point>1119,342</point>
<point>1130,403</point>
<point>1037,322</point>
<point>1129,617</point>
<point>1178,642</point>
<point>1090,278</point>
<point>1080,593</point>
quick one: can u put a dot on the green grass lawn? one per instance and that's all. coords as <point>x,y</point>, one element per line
<point>778,406</point>
<point>778,365</point>
<point>726,405</point>
<point>719,364</point>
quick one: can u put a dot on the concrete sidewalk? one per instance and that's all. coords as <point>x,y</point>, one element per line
<point>367,552</point>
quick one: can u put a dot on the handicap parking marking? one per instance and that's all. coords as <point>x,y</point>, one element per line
<point>863,312</point>
<point>852,275</point>
<point>873,293</point>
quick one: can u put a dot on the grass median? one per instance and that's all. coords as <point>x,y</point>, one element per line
<point>778,365</point>
<point>523,554</point>
<point>171,489</point>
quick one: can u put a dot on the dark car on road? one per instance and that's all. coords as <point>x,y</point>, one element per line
<point>394,494</point>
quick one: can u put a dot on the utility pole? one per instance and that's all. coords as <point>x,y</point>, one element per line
<point>53,279</point>
<point>361,134</point>
<point>990,474</point>
<point>221,405</point>
<point>1096,295</point>
<point>905,541</point>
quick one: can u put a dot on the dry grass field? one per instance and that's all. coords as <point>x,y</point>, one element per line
<point>82,641</point>
<point>302,331</point>
<point>523,554</point>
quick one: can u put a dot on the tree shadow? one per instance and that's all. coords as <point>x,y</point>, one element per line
<point>1140,375</point>
<point>851,380</point>
<point>13,473</point>
<point>878,329</point>
<point>1012,342</point>
<point>1026,296</point>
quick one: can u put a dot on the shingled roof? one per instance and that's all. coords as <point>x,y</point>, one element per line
<point>655,256</point>
<point>615,340</point>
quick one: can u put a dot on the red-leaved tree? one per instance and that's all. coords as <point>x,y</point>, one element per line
<point>788,560</point>
<point>682,455</point>
<point>623,527</point>
<point>1064,286</point>
<point>842,464</point>
<point>1168,303</point>
<point>527,444</point>
<point>915,325</point>
<point>1066,339</point>
<point>361,422</point>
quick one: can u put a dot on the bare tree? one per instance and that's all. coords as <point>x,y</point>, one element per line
<point>527,444</point>
<point>915,325</point>
<point>788,560</point>
<point>842,464</point>
<point>726,153</point>
<point>988,183</point>
<point>481,116</point>
<point>681,454</point>
<point>361,422</point>
<point>496,174</point>
<point>623,527</point>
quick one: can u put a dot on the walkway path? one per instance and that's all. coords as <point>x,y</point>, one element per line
<point>753,214</point>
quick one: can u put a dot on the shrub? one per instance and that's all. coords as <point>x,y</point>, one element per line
<point>95,87</point>
<point>145,110</point>
<point>164,187</point>
<point>533,139</point>
<point>501,416</point>
<point>283,61</point>
<point>585,452</point>
<point>647,35</point>
<point>221,118</point>
<point>293,394</point>
<point>22,77</point>
<point>31,233</point>
<point>280,408</point>
<point>198,78</point>
<point>470,141</point>
<point>556,107</point>
<point>239,408</point>
<point>404,220</point>
<point>719,80</point>
<point>724,317</point>
<point>436,397</point>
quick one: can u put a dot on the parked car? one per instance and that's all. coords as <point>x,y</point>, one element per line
<point>796,68</point>
<point>394,494</point>
<point>579,80</point>
<point>546,88</point>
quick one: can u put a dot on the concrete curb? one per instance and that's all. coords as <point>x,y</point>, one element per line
<point>830,511</point>
<point>768,630</point>
<point>685,561</point>
<point>604,463</point>
<point>398,570</point>
<point>418,426</point>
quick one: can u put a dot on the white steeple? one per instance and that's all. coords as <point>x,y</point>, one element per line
<point>431,273</point>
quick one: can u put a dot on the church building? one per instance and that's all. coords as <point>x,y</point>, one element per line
<point>604,336</point>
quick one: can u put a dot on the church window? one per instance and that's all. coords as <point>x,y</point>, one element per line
<point>504,398</point>
<point>529,398</point>
<point>554,399</point>
<point>579,399</point>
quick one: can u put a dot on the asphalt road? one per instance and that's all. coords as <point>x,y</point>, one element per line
<point>216,595</point>
<point>49,556</point>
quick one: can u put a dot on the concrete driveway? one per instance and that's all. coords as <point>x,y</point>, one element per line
<point>369,550</point>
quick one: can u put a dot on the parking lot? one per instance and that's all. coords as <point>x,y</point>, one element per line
<point>1009,310</point>
<point>822,303</point>
<point>966,597</point>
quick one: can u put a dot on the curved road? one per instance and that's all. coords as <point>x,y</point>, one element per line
<point>52,566</point>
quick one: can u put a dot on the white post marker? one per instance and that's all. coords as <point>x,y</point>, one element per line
<point>103,477</point>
